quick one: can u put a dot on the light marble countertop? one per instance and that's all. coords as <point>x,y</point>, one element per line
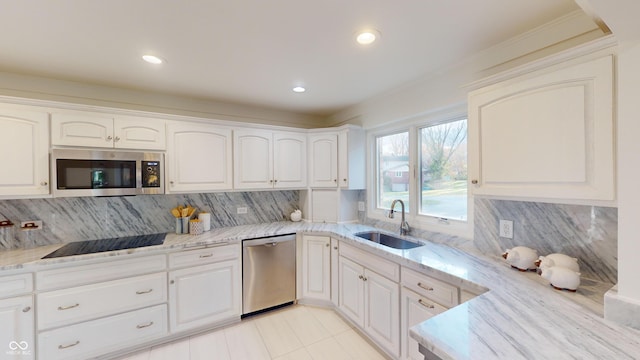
<point>519,317</point>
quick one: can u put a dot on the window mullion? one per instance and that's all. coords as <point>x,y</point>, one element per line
<point>413,168</point>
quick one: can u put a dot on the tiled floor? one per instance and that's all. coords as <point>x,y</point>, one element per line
<point>293,333</point>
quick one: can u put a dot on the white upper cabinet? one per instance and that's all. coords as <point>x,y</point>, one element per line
<point>548,134</point>
<point>83,128</point>
<point>24,140</point>
<point>337,159</point>
<point>323,160</point>
<point>198,157</point>
<point>265,159</point>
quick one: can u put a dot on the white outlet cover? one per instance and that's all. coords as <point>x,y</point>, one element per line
<point>242,210</point>
<point>506,229</point>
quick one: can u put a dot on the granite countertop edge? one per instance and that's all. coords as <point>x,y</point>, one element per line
<point>519,317</point>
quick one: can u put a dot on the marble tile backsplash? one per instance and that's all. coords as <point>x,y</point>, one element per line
<point>589,233</point>
<point>89,218</point>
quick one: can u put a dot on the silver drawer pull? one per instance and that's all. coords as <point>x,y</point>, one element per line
<point>426,287</point>
<point>426,304</point>
<point>68,307</point>
<point>27,309</point>
<point>206,256</point>
<point>144,292</point>
<point>68,346</point>
<point>144,325</point>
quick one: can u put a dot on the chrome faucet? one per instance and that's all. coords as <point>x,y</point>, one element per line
<point>404,226</point>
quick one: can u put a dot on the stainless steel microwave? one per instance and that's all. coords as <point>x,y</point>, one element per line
<point>89,172</point>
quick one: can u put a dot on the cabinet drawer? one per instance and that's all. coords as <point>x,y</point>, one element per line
<point>91,273</point>
<point>204,256</point>
<point>16,285</point>
<point>382,266</point>
<point>66,306</point>
<point>436,290</point>
<point>102,336</point>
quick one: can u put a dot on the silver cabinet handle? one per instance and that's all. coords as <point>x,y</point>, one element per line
<point>68,346</point>
<point>364,278</point>
<point>345,180</point>
<point>68,307</point>
<point>206,256</point>
<point>144,325</point>
<point>474,182</point>
<point>335,180</point>
<point>172,282</point>
<point>44,183</point>
<point>117,138</point>
<point>275,181</point>
<point>335,248</point>
<point>26,309</point>
<point>360,277</point>
<point>109,138</point>
<point>144,291</point>
<point>327,245</point>
<point>428,288</point>
<point>426,304</point>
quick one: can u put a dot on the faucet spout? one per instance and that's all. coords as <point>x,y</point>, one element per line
<point>404,226</point>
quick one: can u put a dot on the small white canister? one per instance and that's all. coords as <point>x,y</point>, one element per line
<point>205,218</point>
<point>195,227</point>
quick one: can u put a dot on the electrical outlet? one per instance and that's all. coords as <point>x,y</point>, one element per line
<point>31,225</point>
<point>360,205</point>
<point>506,229</point>
<point>242,210</point>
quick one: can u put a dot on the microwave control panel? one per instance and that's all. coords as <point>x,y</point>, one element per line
<point>150,174</point>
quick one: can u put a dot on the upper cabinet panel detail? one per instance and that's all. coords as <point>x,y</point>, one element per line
<point>546,135</point>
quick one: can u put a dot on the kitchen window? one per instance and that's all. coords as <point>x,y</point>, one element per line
<point>425,166</point>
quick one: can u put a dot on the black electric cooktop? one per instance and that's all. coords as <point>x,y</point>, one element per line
<point>102,245</point>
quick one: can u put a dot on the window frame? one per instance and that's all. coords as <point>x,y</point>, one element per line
<point>416,220</point>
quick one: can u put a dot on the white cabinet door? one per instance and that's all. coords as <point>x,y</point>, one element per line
<point>335,280</point>
<point>548,134</point>
<point>203,295</point>
<point>198,157</point>
<point>17,328</point>
<point>323,164</point>
<point>382,311</point>
<point>351,294</point>
<point>132,132</point>
<point>316,263</point>
<point>82,128</point>
<point>351,159</point>
<point>253,159</point>
<point>415,309</point>
<point>24,142</point>
<point>289,160</point>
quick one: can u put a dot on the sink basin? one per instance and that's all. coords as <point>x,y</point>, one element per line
<point>387,240</point>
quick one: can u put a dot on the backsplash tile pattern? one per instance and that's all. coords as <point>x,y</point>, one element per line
<point>589,233</point>
<point>89,218</point>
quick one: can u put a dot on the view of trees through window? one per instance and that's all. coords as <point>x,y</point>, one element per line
<point>443,170</point>
<point>442,174</point>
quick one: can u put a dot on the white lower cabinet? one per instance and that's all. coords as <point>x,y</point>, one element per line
<point>208,293</point>
<point>415,309</point>
<point>16,327</point>
<point>100,336</point>
<point>94,309</point>
<point>316,263</point>
<point>370,300</point>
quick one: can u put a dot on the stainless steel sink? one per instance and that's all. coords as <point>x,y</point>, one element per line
<point>387,240</point>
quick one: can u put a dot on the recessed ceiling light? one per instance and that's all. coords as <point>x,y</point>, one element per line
<point>367,37</point>
<point>152,59</point>
<point>299,89</point>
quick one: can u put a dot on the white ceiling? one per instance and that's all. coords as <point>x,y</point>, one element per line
<point>255,51</point>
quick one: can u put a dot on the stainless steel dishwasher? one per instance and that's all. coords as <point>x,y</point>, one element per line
<point>268,272</point>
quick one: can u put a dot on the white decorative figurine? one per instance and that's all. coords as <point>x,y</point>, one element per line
<point>521,258</point>
<point>296,215</point>
<point>560,260</point>
<point>562,278</point>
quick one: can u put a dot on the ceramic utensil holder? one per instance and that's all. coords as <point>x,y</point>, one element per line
<point>195,227</point>
<point>205,217</point>
<point>182,225</point>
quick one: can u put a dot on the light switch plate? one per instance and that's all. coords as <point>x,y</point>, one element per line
<point>360,205</point>
<point>242,210</point>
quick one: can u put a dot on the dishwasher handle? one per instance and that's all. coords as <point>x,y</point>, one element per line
<point>268,241</point>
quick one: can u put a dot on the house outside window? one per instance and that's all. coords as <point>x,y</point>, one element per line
<point>425,166</point>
